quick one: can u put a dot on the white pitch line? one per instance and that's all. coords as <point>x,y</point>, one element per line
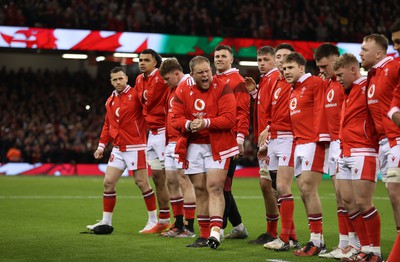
<point>328,197</point>
<point>277,260</point>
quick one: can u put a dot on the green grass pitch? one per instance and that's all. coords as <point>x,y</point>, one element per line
<point>41,217</point>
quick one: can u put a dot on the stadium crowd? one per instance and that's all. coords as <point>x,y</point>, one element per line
<point>297,19</point>
<point>44,114</point>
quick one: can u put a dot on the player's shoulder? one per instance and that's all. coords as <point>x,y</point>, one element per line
<point>317,81</point>
<point>185,85</point>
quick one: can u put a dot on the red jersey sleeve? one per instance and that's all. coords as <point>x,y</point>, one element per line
<point>226,115</point>
<point>233,78</point>
<point>105,137</point>
<point>153,92</point>
<point>321,123</point>
<point>178,119</point>
<point>334,96</point>
<point>395,105</point>
<point>243,110</point>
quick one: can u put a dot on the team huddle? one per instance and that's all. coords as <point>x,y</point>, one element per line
<point>190,130</point>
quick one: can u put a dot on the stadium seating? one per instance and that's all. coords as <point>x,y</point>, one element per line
<point>297,19</point>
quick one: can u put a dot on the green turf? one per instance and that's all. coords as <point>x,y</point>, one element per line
<point>41,217</point>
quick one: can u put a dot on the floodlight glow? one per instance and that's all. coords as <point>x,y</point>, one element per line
<point>74,56</point>
<point>126,55</point>
<point>248,63</point>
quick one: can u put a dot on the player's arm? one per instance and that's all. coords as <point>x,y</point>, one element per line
<point>320,121</point>
<point>242,115</point>
<point>105,138</point>
<point>251,86</point>
<point>394,111</point>
<point>179,120</point>
<point>226,117</point>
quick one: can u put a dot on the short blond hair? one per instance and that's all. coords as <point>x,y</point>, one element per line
<point>379,39</point>
<point>170,65</point>
<point>345,60</point>
<point>197,60</point>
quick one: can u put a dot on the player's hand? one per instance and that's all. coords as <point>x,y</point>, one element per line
<point>241,151</point>
<point>396,118</point>
<point>98,154</point>
<point>262,138</point>
<point>250,84</point>
<point>262,153</point>
<point>197,125</point>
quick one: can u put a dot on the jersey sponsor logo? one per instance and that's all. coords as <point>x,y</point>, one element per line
<point>293,104</point>
<point>117,112</point>
<point>145,95</point>
<point>277,92</point>
<point>371,91</point>
<point>199,104</point>
<point>330,95</point>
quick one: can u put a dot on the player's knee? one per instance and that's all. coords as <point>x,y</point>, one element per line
<point>109,184</point>
<point>307,188</point>
<point>215,188</point>
<point>141,183</point>
<point>156,164</point>
<point>173,186</point>
<point>283,189</point>
<point>348,202</point>
<point>393,175</point>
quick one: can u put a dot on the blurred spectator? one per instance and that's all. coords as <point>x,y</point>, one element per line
<point>14,155</point>
<point>327,20</point>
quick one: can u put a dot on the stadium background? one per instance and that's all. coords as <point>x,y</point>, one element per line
<point>52,109</point>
